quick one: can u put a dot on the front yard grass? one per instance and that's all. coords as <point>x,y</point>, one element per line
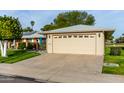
<point>114,59</point>
<point>17,55</point>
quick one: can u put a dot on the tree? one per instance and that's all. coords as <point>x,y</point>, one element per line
<point>10,28</point>
<point>27,29</point>
<point>109,36</point>
<point>120,39</point>
<point>69,19</point>
<point>32,24</point>
<point>49,27</point>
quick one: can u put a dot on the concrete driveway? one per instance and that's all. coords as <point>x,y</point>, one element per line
<point>61,68</point>
<point>66,62</point>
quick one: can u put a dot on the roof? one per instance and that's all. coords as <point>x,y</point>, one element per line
<point>29,33</point>
<point>79,28</point>
<point>33,34</point>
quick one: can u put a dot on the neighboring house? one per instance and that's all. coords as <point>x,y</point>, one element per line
<point>29,37</point>
<point>34,37</point>
<point>78,39</point>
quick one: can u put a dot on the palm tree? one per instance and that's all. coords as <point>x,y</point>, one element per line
<point>32,24</point>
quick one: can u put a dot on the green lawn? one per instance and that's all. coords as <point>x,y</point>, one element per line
<point>114,59</point>
<point>17,55</point>
<point>117,45</point>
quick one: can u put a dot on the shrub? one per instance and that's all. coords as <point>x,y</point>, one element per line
<point>43,46</point>
<point>22,45</point>
<point>115,51</point>
<point>123,48</point>
<point>30,46</point>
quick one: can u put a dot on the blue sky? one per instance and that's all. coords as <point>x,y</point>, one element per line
<point>114,19</point>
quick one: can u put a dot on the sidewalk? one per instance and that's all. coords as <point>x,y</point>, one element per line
<point>38,75</point>
<point>53,72</point>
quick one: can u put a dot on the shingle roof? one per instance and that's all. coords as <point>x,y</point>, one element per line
<point>33,34</point>
<point>79,28</point>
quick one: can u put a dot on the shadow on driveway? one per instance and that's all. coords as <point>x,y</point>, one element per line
<point>9,79</point>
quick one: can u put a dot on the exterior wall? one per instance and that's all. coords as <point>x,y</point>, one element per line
<point>9,44</point>
<point>23,40</point>
<point>92,46</point>
<point>100,43</point>
<point>16,45</point>
<point>32,40</point>
<point>49,43</point>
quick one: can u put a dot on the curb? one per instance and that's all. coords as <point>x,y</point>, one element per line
<point>27,78</point>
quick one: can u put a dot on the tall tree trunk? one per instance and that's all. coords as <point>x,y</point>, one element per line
<point>3,47</point>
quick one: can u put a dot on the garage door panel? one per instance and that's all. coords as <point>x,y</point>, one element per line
<point>74,45</point>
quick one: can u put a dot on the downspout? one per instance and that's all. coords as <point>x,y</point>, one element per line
<point>52,43</point>
<point>104,43</point>
<point>96,44</point>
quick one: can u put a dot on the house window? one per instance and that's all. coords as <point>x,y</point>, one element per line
<point>80,36</point>
<point>64,36</point>
<point>75,36</point>
<point>60,36</point>
<point>86,36</point>
<point>91,36</point>
<point>55,36</point>
<point>69,36</point>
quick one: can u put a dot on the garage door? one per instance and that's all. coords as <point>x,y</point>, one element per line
<point>75,44</point>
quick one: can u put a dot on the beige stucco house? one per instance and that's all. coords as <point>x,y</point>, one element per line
<point>78,39</point>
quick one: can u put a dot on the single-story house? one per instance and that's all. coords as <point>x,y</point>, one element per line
<point>29,37</point>
<point>78,39</point>
<point>33,37</point>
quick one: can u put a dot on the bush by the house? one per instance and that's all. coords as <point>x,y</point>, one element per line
<point>123,48</point>
<point>30,46</point>
<point>22,45</point>
<point>115,51</point>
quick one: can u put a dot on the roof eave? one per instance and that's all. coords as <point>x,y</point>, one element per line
<point>113,30</point>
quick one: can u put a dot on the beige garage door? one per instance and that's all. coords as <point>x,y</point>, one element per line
<point>75,44</point>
